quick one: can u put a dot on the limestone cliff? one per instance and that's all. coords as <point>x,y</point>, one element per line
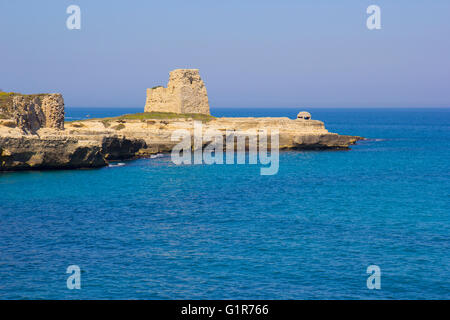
<point>92,143</point>
<point>49,152</point>
<point>33,112</point>
<point>185,93</point>
<point>33,134</point>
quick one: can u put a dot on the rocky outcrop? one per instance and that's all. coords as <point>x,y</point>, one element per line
<point>121,148</point>
<point>328,141</point>
<point>93,144</point>
<point>53,109</point>
<point>185,93</point>
<point>144,137</point>
<point>33,112</point>
<point>32,133</point>
<point>55,151</point>
<point>33,152</point>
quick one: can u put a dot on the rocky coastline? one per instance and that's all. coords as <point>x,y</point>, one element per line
<point>93,143</point>
<point>34,135</point>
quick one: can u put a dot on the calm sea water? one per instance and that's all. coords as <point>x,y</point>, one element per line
<point>153,230</point>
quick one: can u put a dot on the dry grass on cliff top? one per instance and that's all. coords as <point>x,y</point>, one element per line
<point>6,97</point>
<point>158,116</point>
<point>5,101</point>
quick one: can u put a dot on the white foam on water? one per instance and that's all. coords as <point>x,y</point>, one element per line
<point>120,164</point>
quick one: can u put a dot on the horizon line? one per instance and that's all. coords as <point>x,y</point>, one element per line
<point>297,108</point>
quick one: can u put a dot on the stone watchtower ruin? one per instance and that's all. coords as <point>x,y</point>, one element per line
<point>185,93</point>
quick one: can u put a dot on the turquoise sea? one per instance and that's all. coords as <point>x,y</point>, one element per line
<point>152,230</point>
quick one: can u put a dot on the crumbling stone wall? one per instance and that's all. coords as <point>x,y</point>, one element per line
<point>185,93</point>
<point>32,112</point>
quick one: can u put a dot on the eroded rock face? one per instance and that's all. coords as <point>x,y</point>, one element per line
<point>53,109</point>
<point>31,152</point>
<point>185,93</point>
<point>27,113</point>
<point>93,144</point>
<point>120,148</point>
<point>60,151</point>
<point>34,112</point>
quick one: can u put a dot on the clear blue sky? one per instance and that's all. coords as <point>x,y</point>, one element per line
<point>315,53</point>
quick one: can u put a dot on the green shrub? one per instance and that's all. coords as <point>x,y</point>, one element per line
<point>153,116</point>
<point>120,126</point>
<point>166,116</point>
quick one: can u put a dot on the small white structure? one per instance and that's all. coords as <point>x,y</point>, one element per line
<point>304,115</point>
